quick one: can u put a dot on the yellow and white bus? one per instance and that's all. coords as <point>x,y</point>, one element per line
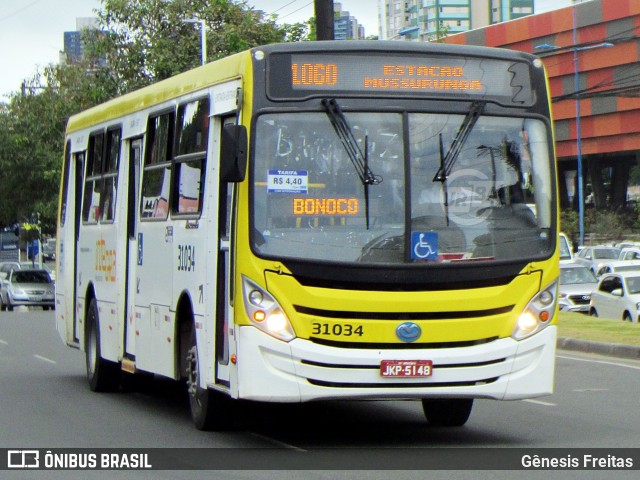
<point>318,220</point>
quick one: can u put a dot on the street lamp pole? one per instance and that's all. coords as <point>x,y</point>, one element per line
<point>203,36</point>
<point>576,86</point>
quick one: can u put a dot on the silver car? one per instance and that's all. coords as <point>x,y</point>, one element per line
<point>594,257</point>
<point>576,284</point>
<point>27,288</point>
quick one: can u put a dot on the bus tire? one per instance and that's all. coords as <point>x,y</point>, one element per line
<point>210,410</point>
<point>102,375</point>
<point>447,412</point>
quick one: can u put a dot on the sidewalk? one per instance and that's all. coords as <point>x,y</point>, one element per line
<point>601,348</point>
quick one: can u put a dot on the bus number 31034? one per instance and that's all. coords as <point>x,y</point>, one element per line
<point>186,258</point>
<point>337,329</point>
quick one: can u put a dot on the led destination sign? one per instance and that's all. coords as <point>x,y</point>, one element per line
<point>393,77</point>
<point>311,74</point>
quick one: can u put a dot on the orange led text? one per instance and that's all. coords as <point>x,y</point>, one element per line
<point>326,206</point>
<point>314,73</point>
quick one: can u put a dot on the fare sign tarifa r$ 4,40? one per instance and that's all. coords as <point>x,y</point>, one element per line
<point>390,77</point>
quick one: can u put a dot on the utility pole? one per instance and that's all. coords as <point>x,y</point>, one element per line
<point>324,19</point>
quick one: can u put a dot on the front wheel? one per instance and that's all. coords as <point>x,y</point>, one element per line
<point>210,410</point>
<point>103,375</point>
<point>593,312</point>
<point>627,317</point>
<point>447,412</point>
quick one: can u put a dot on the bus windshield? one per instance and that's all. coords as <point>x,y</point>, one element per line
<point>394,188</point>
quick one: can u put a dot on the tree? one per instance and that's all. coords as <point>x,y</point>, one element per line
<point>143,41</point>
<point>32,134</point>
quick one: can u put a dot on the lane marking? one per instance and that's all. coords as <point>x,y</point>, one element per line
<point>277,442</point>
<point>603,362</point>
<point>45,359</point>
<point>3,342</point>
<point>540,402</point>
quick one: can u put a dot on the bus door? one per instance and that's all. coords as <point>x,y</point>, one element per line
<point>67,261</point>
<point>132,255</point>
<point>224,273</point>
<point>77,218</point>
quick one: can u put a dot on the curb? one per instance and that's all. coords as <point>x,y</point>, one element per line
<point>601,348</point>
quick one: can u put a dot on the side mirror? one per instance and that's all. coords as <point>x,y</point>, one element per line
<point>233,153</point>
<point>616,292</point>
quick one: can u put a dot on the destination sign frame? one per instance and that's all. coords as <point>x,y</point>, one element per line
<point>304,75</point>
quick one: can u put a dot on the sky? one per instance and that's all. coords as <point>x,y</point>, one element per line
<point>32,31</point>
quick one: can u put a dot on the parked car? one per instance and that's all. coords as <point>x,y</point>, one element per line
<point>593,257</point>
<point>615,266</point>
<point>617,296</point>
<point>629,253</point>
<point>8,267</point>
<point>27,288</point>
<point>566,249</point>
<point>32,266</point>
<point>49,249</point>
<point>576,284</point>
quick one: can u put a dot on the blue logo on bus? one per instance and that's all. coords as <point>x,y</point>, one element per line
<point>408,332</point>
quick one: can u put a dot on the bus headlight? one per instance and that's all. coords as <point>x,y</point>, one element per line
<point>538,313</point>
<point>265,313</point>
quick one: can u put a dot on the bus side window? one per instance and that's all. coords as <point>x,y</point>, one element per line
<point>157,167</point>
<point>108,199</point>
<point>192,131</point>
<point>93,183</point>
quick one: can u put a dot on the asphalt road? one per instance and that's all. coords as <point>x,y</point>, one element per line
<point>45,403</point>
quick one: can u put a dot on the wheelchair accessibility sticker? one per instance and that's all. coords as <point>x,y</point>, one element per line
<point>424,245</point>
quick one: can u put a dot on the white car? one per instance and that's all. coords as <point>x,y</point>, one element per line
<point>617,297</point>
<point>630,253</point>
<point>576,284</point>
<point>593,257</point>
<point>616,266</point>
<point>566,249</point>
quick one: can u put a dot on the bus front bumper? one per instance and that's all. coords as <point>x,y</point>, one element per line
<point>300,371</point>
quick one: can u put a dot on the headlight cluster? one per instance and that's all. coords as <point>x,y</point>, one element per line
<point>538,313</point>
<point>265,312</point>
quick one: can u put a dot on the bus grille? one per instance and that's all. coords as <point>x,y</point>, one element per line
<point>448,315</point>
<point>400,346</point>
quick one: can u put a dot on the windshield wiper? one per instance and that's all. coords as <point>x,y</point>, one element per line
<point>359,159</point>
<point>448,161</point>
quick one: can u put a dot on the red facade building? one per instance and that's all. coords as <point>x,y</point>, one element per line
<point>604,37</point>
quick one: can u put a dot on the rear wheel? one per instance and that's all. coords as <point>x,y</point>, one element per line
<point>447,412</point>
<point>103,375</point>
<point>210,410</point>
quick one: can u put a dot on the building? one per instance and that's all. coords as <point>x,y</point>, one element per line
<point>601,117</point>
<point>425,20</point>
<point>346,26</point>
<point>73,48</point>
